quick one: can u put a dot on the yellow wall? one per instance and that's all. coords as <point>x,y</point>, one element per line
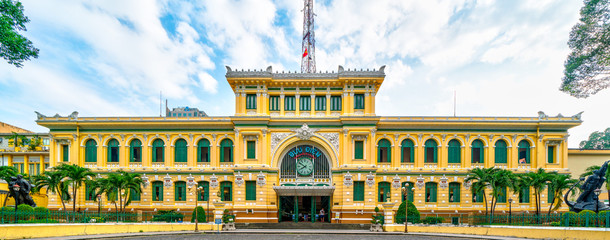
<point>506,231</point>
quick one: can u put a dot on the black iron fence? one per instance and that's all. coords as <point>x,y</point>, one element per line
<point>11,216</point>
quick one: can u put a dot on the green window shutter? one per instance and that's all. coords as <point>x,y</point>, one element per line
<point>250,190</point>
<point>135,149</point>
<point>454,192</point>
<point>550,195</point>
<point>289,103</point>
<point>251,146</point>
<point>158,151</point>
<point>383,189</point>
<point>251,101</point>
<point>359,149</point>
<point>502,195</point>
<point>524,152</point>
<point>407,151</point>
<point>180,153</point>
<point>89,193</point>
<point>203,150</point>
<point>226,191</point>
<point>551,154</point>
<point>478,197</point>
<point>180,191</point>
<point>205,192</point>
<point>320,103</point>
<point>431,192</point>
<point>500,152</point>
<point>430,156</point>
<point>358,191</point>
<point>133,195</point>
<point>358,101</point>
<point>454,151</point>
<point>226,151</point>
<point>524,195</point>
<point>157,189</point>
<point>477,152</point>
<point>305,103</point>
<point>91,151</point>
<point>65,149</point>
<point>384,151</point>
<point>274,103</point>
<point>335,103</point>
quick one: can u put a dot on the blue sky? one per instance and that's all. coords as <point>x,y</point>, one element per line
<point>112,58</point>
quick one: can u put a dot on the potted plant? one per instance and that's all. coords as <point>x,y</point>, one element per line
<point>377,221</point>
<point>35,143</point>
<point>17,140</point>
<point>228,221</point>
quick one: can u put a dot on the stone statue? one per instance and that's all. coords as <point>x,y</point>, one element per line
<point>587,199</point>
<point>22,196</point>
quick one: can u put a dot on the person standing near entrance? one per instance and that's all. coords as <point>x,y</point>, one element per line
<point>322,214</point>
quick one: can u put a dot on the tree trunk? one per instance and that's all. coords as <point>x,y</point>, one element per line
<point>5,199</point>
<point>485,199</point>
<point>74,202</point>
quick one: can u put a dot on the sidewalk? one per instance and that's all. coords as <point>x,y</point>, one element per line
<point>278,231</point>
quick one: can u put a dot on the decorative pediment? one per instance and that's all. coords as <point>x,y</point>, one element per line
<point>370,179</point>
<point>213,181</point>
<point>239,179</point>
<point>420,182</point>
<point>190,181</point>
<point>260,179</point>
<point>348,181</point>
<point>396,181</point>
<point>444,182</point>
<point>167,181</point>
<point>304,133</point>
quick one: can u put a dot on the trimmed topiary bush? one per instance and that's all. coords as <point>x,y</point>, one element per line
<point>40,212</point>
<point>200,215</point>
<point>412,212</point>
<point>433,220</point>
<point>7,209</point>
<point>603,216</point>
<point>25,208</point>
<point>569,217</point>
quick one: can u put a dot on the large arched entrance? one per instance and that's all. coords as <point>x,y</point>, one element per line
<point>305,189</point>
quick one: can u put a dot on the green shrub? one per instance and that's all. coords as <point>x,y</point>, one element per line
<point>555,224</point>
<point>25,208</point>
<point>95,220</point>
<point>412,212</point>
<point>41,212</point>
<point>571,217</point>
<point>227,218</point>
<point>168,216</point>
<point>7,209</point>
<point>433,220</point>
<point>38,221</point>
<point>200,214</point>
<point>602,216</point>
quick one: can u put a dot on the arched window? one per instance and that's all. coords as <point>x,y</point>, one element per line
<point>157,151</point>
<point>500,151</point>
<point>226,191</point>
<point>91,151</point>
<point>477,151</point>
<point>203,150</point>
<point>454,192</point>
<point>408,152</point>
<point>135,151</point>
<point>431,151</point>
<point>409,188</point>
<point>226,150</point>
<point>384,153</point>
<point>205,192</point>
<point>180,151</point>
<point>455,151</point>
<point>157,191</point>
<point>180,191</point>
<point>524,152</point>
<point>384,191</point>
<point>431,192</point>
<point>113,150</point>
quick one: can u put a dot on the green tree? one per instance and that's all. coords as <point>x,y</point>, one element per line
<point>597,140</point>
<point>481,180</point>
<point>54,182</point>
<point>587,67</point>
<point>558,183</point>
<point>18,139</point>
<point>538,181</point>
<point>6,172</point>
<point>76,176</point>
<point>129,182</point>
<point>589,172</point>
<point>500,179</point>
<point>14,47</point>
<point>109,186</point>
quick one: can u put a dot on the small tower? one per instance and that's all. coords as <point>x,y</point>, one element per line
<point>308,57</point>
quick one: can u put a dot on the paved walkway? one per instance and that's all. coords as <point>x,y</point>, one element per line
<point>246,234</point>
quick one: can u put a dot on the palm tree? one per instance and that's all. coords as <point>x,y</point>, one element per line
<point>589,172</point>
<point>76,175</point>
<point>129,182</point>
<point>558,183</point>
<point>500,179</point>
<point>480,176</point>
<point>538,181</point>
<point>6,173</point>
<point>110,186</point>
<point>53,181</point>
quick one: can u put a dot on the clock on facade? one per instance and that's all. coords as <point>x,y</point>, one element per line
<point>304,166</point>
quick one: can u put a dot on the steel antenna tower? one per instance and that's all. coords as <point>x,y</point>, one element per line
<point>308,57</point>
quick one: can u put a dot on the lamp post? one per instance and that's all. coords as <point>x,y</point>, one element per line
<point>510,210</point>
<point>99,204</point>
<point>597,192</point>
<point>197,193</point>
<point>405,191</point>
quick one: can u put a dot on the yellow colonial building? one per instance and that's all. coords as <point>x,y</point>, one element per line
<point>300,143</point>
